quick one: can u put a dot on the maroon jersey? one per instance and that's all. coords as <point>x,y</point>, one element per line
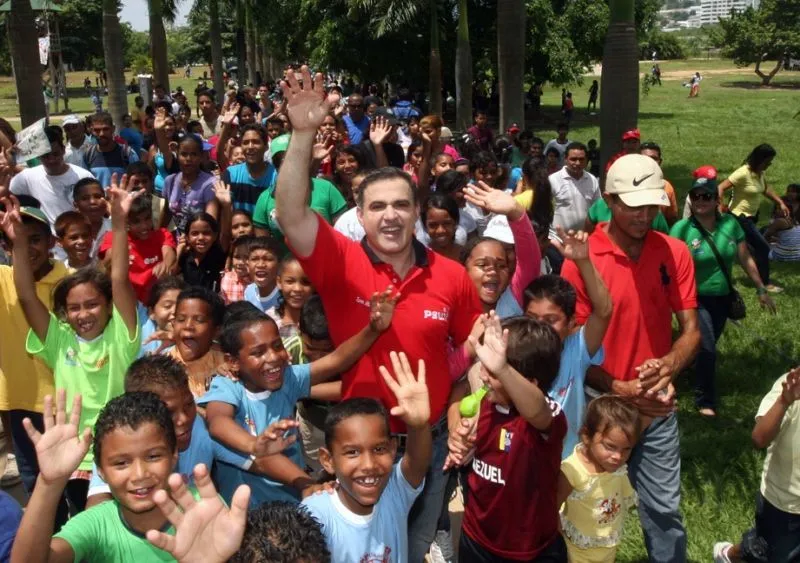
<point>511,506</point>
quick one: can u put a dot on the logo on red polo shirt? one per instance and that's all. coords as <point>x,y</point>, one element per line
<point>443,315</point>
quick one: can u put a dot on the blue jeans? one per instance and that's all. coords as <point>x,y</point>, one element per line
<point>759,247</point>
<point>776,536</point>
<point>712,312</point>
<point>655,472</point>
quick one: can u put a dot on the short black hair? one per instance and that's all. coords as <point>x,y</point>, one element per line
<point>553,288</point>
<point>139,168</point>
<point>216,305</point>
<point>104,117</point>
<point>534,350</point>
<point>262,132</point>
<point>162,286</point>
<point>382,175</point>
<point>441,201</point>
<point>205,218</point>
<point>67,219</point>
<point>650,146</point>
<point>264,243</point>
<point>231,338</point>
<point>82,183</point>
<point>133,410</point>
<point>575,146</point>
<point>239,309</point>
<point>140,206</point>
<point>241,242</point>
<point>156,372</point>
<point>358,406</point>
<point>472,242</point>
<point>282,532</point>
<point>313,322</point>
<point>481,160</point>
<point>451,182</point>
<point>93,276</point>
<point>54,134</point>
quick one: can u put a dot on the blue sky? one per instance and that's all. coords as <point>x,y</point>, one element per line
<point>135,13</point>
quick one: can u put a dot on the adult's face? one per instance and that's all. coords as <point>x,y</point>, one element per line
<point>631,146</point>
<point>575,161</point>
<point>633,221</point>
<point>53,161</point>
<point>388,215</point>
<point>207,107</point>
<point>254,147</point>
<point>355,107</point>
<point>652,153</point>
<point>104,132</point>
<point>75,133</point>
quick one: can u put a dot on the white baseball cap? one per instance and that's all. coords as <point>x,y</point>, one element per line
<point>498,229</point>
<point>637,180</point>
<point>72,119</point>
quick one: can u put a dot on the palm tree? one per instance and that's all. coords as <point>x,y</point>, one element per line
<point>158,40</point>
<point>25,60</point>
<point>215,38</point>
<point>115,65</point>
<point>463,70</point>
<point>250,42</point>
<point>619,94</point>
<point>511,60</point>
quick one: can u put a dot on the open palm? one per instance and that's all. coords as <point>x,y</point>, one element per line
<point>413,403</point>
<point>575,244</point>
<point>492,351</point>
<point>119,196</point>
<point>306,105</point>
<point>490,199</point>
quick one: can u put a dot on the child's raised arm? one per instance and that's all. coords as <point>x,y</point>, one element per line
<point>222,192</point>
<point>36,312</point>
<point>413,406</point>
<point>59,451</point>
<point>768,426</point>
<point>576,248</point>
<point>340,360</point>
<point>121,289</point>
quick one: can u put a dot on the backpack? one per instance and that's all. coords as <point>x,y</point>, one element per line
<point>405,110</point>
<point>91,152</point>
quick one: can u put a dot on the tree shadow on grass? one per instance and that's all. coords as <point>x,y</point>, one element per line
<point>756,85</point>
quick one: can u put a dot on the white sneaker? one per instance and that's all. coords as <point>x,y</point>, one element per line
<point>435,554</point>
<point>721,552</point>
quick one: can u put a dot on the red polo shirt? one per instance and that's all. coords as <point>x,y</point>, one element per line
<point>438,302</point>
<point>645,294</point>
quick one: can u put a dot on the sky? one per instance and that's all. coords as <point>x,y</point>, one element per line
<point>135,13</point>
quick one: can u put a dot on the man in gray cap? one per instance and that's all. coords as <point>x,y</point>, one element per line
<point>77,140</point>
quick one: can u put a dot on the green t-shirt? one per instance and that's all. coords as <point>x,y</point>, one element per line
<point>326,200</point>
<point>727,236</point>
<point>600,212</point>
<point>94,369</point>
<point>100,534</point>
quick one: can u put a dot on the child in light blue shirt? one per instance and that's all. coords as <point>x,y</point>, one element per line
<point>157,314</point>
<point>263,256</point>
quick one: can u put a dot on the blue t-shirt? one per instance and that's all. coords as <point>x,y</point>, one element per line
<point>255,412</point>
<point>201,450</point>
<point>380,536</point>
<point>357,132</point>
<point>147,326</point>
<point>507,306</point>
<point>104,164</point>
<point>513,178</point>
<point>10,519</point>
<point>567,389</point>
<point>263,304</point>
<point>244,188</point>
<point>134,139</point>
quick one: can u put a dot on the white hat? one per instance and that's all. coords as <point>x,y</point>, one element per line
<point>72,119</point>
<point>445,133</point>
<point>637,180</point>
<point>498,229</point>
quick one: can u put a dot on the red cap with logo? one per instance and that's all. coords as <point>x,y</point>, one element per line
<point>631,134</point>
<point>706,171</point>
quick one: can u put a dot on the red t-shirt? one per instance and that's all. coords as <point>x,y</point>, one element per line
<point>645,294</point>
<point>511,508</point>
<point>143,255</point>
<point>438,302</point>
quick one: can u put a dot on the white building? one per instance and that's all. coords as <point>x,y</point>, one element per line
<point>711,11</point>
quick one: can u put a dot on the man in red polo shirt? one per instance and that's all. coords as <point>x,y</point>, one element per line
<point>650,277</point>
<point>438,302</point>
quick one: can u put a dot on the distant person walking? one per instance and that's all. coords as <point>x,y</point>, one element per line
<point>593,90</point>
<point>694,85</point>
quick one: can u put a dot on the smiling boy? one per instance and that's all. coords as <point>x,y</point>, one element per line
<point>263,256</point>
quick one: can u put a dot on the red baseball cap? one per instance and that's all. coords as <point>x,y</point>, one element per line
<point>513,128</point>
<point>706,171</point>
<point>631,134</point>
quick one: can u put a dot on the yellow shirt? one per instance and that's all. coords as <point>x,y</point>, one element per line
<point>780,479</point>
<point>593,515</point>
<point>201,370</point>
<point>24,380</point>
<point>525,199</point>
<point>748,188</point>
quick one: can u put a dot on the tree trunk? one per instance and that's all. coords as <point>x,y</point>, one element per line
<point>25,61</point>
<point>115,66</point>
<point>158,44</point>
<point>767,78</point>
<point>619,92</point>
<point>511,61</point>
<point>463,70</point>
<point>250,39</point>
<point>435,69</point>
<point>215,37</point>
<point>260,59</point>
<point>241,54</point>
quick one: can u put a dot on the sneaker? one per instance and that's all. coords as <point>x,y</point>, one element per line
<point>435,554</point>
<point>772,288</point>
<point>444,543</point>
<point>11,476</point>
<point>721,552</point>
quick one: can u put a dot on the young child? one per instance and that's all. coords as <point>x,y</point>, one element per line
<point>440,164</point>
<point>775,534</point>
<point>202,261</point>
<point>89,199</point>
<point>512,510</point>
<point>480,131</point>
<point>366,517</point>
<point>241,225</point>
<point>268,389</point>
<point>551,299</point>
<point>593,486</point>
<point>74,235</point>
<point>152,251</point>
<point>295,290</point>
<point>141,177</point>
<point>263,255</point>
<point>92,336</point>
<point>156,320</point>
<point>237,277</point>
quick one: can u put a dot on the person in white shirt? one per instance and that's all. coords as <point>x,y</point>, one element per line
<point>574,189</point>
<point>52,181</point>
<point>560,143</point>
<point>77,140</point>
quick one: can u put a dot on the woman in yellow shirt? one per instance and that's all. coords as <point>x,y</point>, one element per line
<point>749,186</point>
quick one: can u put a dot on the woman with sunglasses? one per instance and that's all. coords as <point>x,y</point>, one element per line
<point>715,240</point>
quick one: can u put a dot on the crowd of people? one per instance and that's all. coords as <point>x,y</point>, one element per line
<point>291,329</point>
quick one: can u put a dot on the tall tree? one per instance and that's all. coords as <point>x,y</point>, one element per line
<point>250,42</point>
<point>215,38</point>
<point>463,70</point>
<point>435,68</point>
<point>158,43</point>
<point>241,47</point>
<point>619,92</point>
<point>25,60</point>
<point>115,66</point>
<point>511,60</point>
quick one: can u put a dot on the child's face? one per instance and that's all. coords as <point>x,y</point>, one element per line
<point>441,228</point>
<point>164,311</point>
<point>183,410</point>
<point>444,163</point>
<point>262,265</point>
<point>552,158</point>
<point>610,449</point>
<point>274,130</point>
<point>315,349</point>
<point>239,262</point>
<point>141,226</point>
<point>40,241</point>
<point>237,155</point>
<point>480,120</point>
<point>136,464</point>
<point>487,174</point>
<point>487,267</point>
<point>189,157</point>
<point>415,158</point>
<point>545,311</point>
<point>141,182</point>
<point>346,165</point>
<point>88,311</point>
<point>463,169</point>
<point>262,357</point>
<point>77,243</point>
<point>361,456</point>
<point>200,237</point>
<point>92,203</point>
<point>193,329</point>
<point>294,285</point>
<point>241,226</point>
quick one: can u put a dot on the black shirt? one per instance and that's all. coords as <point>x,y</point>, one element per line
<point>208,272</point>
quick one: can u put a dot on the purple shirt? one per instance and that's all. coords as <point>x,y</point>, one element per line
<point>184,203</point>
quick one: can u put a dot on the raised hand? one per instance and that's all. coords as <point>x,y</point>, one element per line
<point>379,130</point>
<point>381,308</point>
<point>120,198</point>
<point>61,448</point>
<point>160,119</point>
<point>492,351</point>
<point>413,404</point>
<point>305,105</point>
<point>230,114</point>
<point>11,221</point>
<point>492,200</point>
<point>575,244</point>
<point>323,148</point>
<point>791,387</point>
<point>222,191</point>
<point>276,438</point>
<point>206,531</point>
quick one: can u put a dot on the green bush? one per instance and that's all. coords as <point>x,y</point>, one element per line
<point>666,45</point>
<point>142,64</point>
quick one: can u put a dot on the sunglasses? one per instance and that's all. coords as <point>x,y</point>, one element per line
<point>702,196</point>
